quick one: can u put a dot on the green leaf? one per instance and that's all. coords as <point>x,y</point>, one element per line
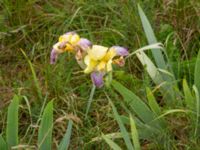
<point>136,104</point>
<point>157,54</point>
<point>189,99</point>
<point>90,100</point>
<point>112,144</point>
<point>156,76</point>
<point>134,134</point>
<point>152,102</point>
<point>197,73</point>
<point>66,139</point>
<point>197,110</point>
<point>160,62</point>
<point>12,123</point>
<point>45,129</point>
<point>171,111</point>
<point>146,131</point>
<point>123,130</point>
<point>3,144</point>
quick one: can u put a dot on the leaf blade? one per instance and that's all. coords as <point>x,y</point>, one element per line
<point>197,72</point>
<point>45,129</point>
<point>64,144</point>
<point>137,105</point>
<point>3,144</point>
<point>112,144</point>
<point>123,130</point>
<point>151,38</point>
<point>12,123</point>
<point>134,134</point>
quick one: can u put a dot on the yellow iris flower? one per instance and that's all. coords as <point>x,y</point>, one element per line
<point>99,59</point>
<point>70,42</point>
<point>67,42</point>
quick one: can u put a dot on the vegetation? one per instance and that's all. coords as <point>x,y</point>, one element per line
<point>151,103</point>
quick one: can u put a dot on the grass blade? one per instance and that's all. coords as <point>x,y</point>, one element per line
<point>189,99</point>
<point>123,130</point>
<point>66,139</point>
<point>171,111</point>
<point>152,102</point>
<point>112,144</point>
<point>134,134</point>
<point>45,129</point>
<point>36,82</point>
<point>90,100</point>
<point>137,105</point>
<point>157,54</point>
<point>3,144</point>
<point>197,110</point>
<point>12,123</point>
<point>197,73</point>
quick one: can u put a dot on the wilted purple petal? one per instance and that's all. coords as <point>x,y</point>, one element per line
<point>84,43</point>
<point>97,79</point>
<point>53,57</point>
<point>121,51</point>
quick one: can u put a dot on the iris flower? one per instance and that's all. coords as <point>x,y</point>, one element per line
<point>70,42</point>
<point>99,60</point>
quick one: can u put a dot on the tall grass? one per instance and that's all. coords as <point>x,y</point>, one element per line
<point>152,102</point>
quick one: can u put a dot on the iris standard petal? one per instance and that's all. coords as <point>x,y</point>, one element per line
<point>65,37</point>
<point>97,52</point>
<point>74,39</point>
<point>69,37</point>
<point>121,51</point>
<point>84,44</point>
<point>97,79</point>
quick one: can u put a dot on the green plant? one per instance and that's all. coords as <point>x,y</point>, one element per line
<point>152,120</point>
<point>44,134</point>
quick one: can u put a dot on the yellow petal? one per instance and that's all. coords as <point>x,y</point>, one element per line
<point>87,60</point>
<point>110,55</point>
<point>97,52</point>
<point>109,66</point>
<point>74,39</point>
<point>101,66</point>
<point>91,64</point>
<point>69,47</point>
<point>65,37</point>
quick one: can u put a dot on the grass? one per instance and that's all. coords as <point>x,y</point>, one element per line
<point>34,26</point>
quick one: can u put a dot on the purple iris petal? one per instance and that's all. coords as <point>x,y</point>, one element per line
<point>84,43</point>
<point>97,79</point>
<point>121,51</point>
<point>53,57</point>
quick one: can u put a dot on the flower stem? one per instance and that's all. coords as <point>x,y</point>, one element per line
<point>90,100</point>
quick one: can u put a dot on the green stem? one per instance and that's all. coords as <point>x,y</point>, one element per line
<point>90,100</point>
